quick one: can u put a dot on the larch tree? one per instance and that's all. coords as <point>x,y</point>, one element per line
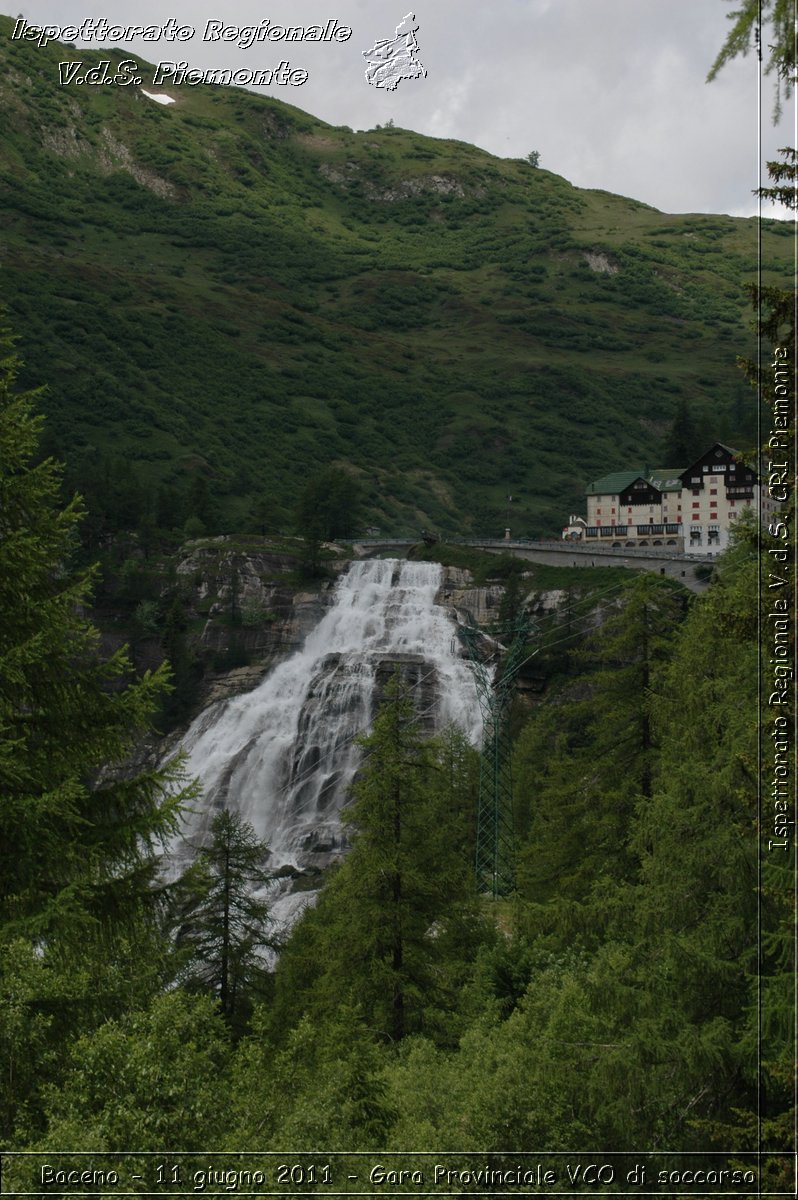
<point>398,904</point>
<point>224,919</point>
<point>778,19</point>
<point>766,1122</point>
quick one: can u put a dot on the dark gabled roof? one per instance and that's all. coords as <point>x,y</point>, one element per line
<point>664,479</point>
<point>702,457</point>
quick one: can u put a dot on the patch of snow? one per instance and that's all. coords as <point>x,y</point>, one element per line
<point>158,97</point>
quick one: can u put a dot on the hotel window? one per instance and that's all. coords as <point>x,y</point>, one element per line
<point>612,510</point>
<point>732,503</point>
<point>713,491</point>
<point>629,509</point>
<point>696,491</point>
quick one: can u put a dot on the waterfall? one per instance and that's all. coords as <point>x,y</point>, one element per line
<point>284,754</point>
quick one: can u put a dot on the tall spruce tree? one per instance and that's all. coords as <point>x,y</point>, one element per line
<point>685,437</point>
<point>79,915</point>
<point>692,915</point>
<point>76,834</point>
<point>391,894</point>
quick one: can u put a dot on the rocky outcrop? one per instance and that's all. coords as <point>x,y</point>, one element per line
<point>114,155</point>
<point>344,175</point>
<point>473,605</point>
<point>246,609</point>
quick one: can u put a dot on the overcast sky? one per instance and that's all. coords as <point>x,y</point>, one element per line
<point>611,93</point>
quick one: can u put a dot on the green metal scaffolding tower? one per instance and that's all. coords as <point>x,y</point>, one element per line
<point>495,853</point>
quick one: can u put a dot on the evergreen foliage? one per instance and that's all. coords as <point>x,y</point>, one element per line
<point>392,925</point>
<point>76,835</point>
<point>79,829</point>
<point>686,438</point>
<point>222,919</point>
<point>329,505</point>
<point>611,1002</point>
<point>586,762</point>
<point>768,23</point>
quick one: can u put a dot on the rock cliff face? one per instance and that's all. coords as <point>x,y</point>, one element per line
<point>247,609</point>
<point>482,604</point>
<point>478,605</point>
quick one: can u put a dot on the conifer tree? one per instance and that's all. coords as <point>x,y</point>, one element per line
<point>79,913</point>
<point>770,23</point>
<point>224,920</point>
<point>684,438</point>
<point>377,936</point>
<point>692,913</point>
<point>586,763</point>
<point>390,897</point>
<point>76,834</point>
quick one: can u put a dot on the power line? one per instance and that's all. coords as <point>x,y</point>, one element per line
<point>348,741</point>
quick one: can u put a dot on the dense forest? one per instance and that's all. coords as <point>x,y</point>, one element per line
<point>635,991</point>
<point>612,1001</point>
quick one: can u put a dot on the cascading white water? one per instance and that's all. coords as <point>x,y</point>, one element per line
<point>284,754</point>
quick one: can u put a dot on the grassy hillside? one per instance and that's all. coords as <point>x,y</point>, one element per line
<point>227,290</point>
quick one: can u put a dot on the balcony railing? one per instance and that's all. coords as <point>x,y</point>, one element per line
<point>658,530</point>
<point>629,531</point>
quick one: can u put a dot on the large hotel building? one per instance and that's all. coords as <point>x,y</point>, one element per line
<point>690,510</point>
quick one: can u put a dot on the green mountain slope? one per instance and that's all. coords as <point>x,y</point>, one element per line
<point>227,289</point>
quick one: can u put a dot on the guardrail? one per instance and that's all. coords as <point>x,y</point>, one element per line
<point>556,545</point>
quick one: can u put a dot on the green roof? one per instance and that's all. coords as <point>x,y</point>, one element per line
<point>613,483</point>
<point>667,479</point>
<point>664,479</point>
